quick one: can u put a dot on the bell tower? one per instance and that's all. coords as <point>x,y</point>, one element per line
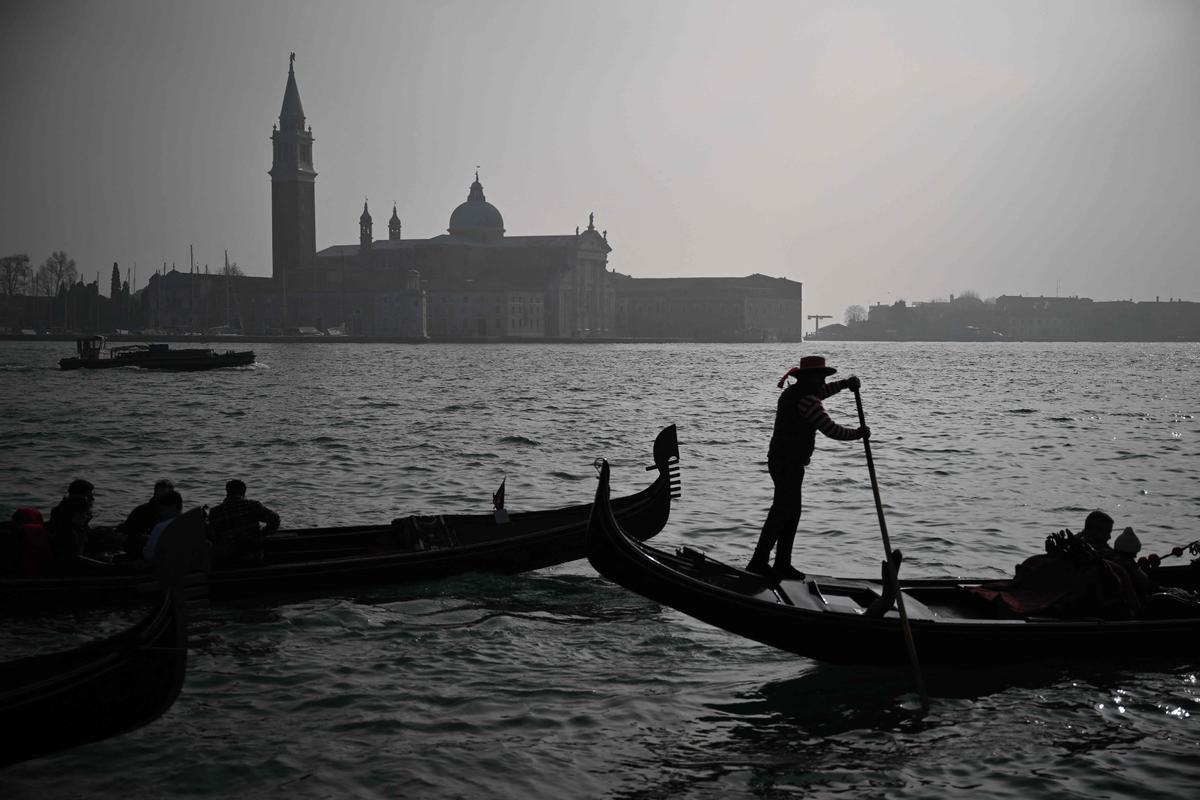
<point>394,225</point>
<point>293,215</point>
<point>365,238</point>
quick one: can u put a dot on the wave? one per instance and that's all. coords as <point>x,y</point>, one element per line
<point>520,440</point>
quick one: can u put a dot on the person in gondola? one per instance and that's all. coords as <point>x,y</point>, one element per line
<point>169,506</point>
<point>1125,550</point>
<point>1097,530</point>
<point>234,526</point>
<point>26,545</point>
<point>1079,575</point>
<point>799,415</point>
<point>136,528</point>
<point>69,524</point>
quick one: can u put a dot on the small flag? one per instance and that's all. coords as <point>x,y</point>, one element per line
<point>498,497</point>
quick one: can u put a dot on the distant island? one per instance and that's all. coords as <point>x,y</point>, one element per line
<point>1019,318</point>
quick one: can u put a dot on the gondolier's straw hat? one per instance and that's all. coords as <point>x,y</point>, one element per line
<point>809,365</point>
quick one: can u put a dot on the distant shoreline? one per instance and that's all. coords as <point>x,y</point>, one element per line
<point>233,341</point>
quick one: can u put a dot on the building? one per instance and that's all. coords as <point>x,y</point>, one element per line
<point>756,308</point>
<point>473,281</point>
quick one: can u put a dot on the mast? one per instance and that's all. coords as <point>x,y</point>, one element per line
<point>192,284</point>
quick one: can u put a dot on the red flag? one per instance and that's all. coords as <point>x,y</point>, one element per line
<point>498,497</point>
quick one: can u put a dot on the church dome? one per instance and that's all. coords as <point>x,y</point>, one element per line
<point>476,218</point>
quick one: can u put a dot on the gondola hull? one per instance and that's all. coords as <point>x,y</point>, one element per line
<point>409,549</point>
<point>56,701</point>
<point>825,618</point>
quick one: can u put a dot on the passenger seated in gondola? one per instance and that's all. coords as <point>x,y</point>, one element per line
<point>26,545</point>
<point>1097,530</point>
<point>1125,550</point>
<point>233,527</point>
<point>1077,577</point>
<point>69,522</point>
<point>135,530</point>
<point>170,506</point>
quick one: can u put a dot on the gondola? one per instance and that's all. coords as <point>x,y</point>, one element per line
<point>55,701</point>
<point>408,549</point>
<point>826,619</point>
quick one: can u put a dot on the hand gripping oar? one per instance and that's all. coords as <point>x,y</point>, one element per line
<point>891,565</point>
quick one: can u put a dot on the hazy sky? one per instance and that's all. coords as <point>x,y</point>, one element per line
<point>873,150</point>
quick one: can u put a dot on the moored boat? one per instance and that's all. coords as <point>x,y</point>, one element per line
<point>55,701</point>
<point>407,549</point>
<point>826,618</point>
<point>93,353</point>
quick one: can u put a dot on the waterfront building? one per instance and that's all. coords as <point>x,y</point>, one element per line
<point>756,308</point>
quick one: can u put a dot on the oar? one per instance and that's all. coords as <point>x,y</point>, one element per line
<point>891,565</point>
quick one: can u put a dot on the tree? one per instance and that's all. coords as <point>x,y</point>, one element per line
<point>42,284</point>
<point>855,315</point>
<point>14,272</point>
<point>59,270</point>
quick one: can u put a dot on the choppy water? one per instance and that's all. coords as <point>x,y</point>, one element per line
<point>559,684</point>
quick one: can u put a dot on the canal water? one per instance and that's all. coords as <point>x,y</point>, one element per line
<point>559,683</point>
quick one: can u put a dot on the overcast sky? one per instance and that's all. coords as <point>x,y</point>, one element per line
<point>872,150</point>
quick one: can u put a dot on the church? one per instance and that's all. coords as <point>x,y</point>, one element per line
<point>473,281</point>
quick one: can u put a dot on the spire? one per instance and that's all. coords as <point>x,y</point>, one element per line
<point>394,224</point>
<point>364,228</point>
<point>292,113</point>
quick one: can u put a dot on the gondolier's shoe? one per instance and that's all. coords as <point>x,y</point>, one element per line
<point>788,573</point>
<point>760,568</point>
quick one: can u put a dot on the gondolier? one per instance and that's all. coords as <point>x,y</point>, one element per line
<point>798,416</point>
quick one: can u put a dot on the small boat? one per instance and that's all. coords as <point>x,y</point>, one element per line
<point>826,618</point>
<point>406,549</point>
<point>56,701</point>
<point>94,353</point>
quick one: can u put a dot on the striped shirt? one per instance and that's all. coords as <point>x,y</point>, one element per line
<point>798,417</point>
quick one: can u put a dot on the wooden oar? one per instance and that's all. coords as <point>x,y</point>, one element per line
<point>891,564</point>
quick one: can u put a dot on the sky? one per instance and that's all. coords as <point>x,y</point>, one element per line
<point>874,151</point>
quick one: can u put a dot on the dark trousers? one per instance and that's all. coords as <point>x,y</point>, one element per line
<point>783,519</point>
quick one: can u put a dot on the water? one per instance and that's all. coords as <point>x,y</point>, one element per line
<point>559,684</point>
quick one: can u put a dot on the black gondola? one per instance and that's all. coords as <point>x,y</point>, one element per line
<point>825,618</point>
<point>55,701</point>
<point>408,549</point>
